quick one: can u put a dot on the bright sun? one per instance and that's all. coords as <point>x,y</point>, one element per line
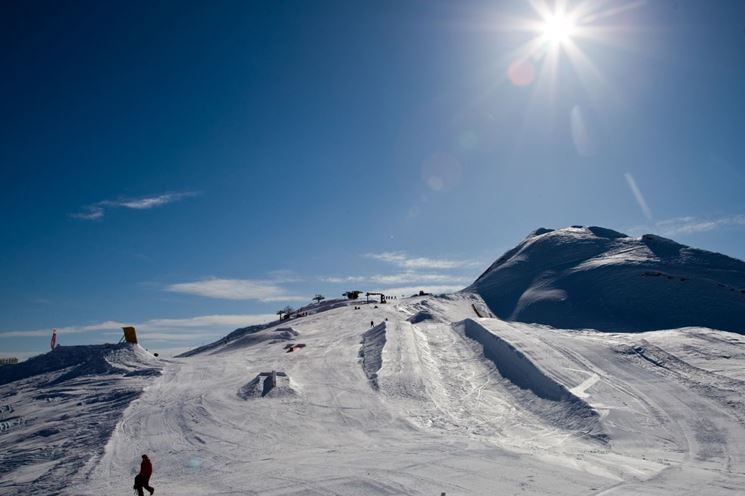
<point>558,29</point>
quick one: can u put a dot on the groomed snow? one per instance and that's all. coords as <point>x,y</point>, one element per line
<point>646,413</point>
<point>424,396</point>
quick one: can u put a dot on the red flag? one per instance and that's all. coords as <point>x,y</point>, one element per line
<point>54,338</point>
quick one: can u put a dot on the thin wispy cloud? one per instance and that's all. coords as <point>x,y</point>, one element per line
<point>417,273</point>
<point>638,195</point>
<point>408,277</point>
<point>227,320</point>
<point>415,277</point>
<point>412,290</point>
<point>159,329</point>
<point>344,279</point>
<point>97,211</point>
<point>91,212</point>
<point>236,289</point>
<point>401,259</point>
<point>691,225</point>
<point>284,276</point>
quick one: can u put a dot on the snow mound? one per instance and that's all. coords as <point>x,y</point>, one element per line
<point>77,361</point>
<point>422,316</point>
<point>593,277</point>
<point>285,333</point>
<point>426,311</point>
<point>266,385</point>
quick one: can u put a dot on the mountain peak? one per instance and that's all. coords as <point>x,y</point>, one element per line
<point>595,277</point>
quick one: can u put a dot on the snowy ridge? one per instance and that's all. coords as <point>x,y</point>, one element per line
<point>254,334</point>
<point>244,333</point>
<point>592,277</point>
<point>77,361</point>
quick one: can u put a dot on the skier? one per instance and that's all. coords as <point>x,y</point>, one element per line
<point>142,480</point>
<point>372,324</point>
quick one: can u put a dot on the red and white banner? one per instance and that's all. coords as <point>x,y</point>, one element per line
<point>54,338</point>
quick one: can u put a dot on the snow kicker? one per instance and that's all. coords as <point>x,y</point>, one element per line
<point>517,368</point>
<point>371,352</point>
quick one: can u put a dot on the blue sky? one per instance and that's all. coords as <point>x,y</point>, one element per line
<point>192,168</point>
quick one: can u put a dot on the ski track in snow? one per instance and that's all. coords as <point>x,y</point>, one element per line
<point>438,416</point>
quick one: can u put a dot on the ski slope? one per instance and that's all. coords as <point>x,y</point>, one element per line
<point>421,408</point>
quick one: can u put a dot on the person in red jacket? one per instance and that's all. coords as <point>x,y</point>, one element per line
<point>142,480</point>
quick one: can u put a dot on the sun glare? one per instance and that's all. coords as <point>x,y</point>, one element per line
<point>561,32</point>
<point>558,28</point>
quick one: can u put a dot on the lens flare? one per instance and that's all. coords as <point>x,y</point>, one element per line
<point>521,72</point>
<point>441,172</point>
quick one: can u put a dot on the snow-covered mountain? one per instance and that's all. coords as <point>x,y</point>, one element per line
<point>592,277</point>
<point>426,395</point>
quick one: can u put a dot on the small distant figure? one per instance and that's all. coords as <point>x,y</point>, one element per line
<point>372,324</point>
<point>142,480</point>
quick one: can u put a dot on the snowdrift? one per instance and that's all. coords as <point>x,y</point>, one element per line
<point>592,277</point>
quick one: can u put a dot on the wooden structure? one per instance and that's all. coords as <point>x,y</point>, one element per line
<point>130,336</point>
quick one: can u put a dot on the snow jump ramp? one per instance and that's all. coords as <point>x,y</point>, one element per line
<point>517,368</point>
